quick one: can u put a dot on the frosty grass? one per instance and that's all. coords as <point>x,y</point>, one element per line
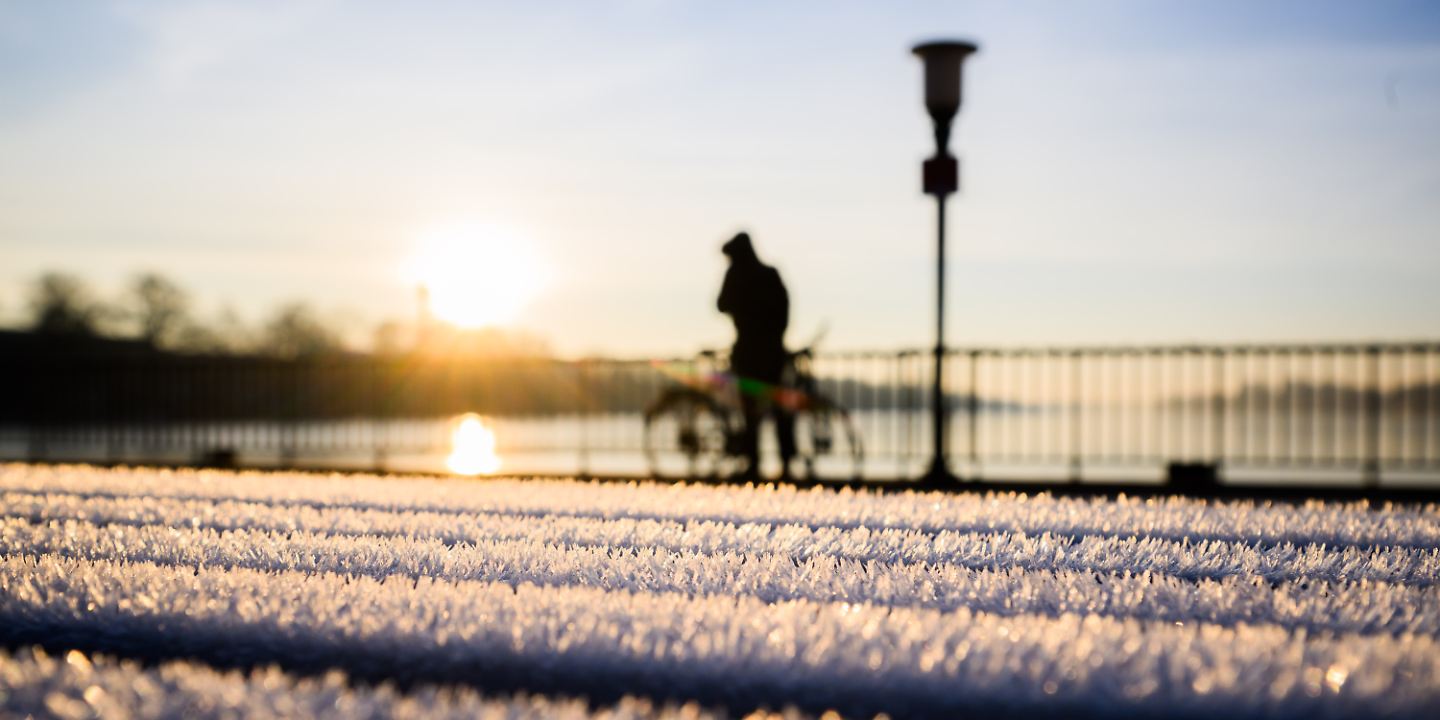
<point>514,598</point>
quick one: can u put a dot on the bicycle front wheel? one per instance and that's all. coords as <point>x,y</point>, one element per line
<point>686,432</point>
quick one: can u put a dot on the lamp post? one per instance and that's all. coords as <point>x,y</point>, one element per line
<point>943,61</point>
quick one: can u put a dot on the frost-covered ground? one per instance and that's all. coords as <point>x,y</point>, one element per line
<point>75,685</point>
<point>521,598</point>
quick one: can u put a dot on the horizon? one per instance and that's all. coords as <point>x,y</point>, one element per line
<point>1131,174</point>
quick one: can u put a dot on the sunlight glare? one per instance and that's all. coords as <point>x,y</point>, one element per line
<point>476,275</point>
<point>472,445</point>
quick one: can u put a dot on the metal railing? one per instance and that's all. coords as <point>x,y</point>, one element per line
<point>1372,410</point>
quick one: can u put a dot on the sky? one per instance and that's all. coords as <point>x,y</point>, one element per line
<point>1131,171</point>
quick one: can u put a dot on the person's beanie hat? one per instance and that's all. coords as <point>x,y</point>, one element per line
<point>740,244</point>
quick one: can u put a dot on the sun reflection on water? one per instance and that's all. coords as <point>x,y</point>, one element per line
<point>472,447</point>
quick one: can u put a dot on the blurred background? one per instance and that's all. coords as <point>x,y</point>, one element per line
<point>331,232</point>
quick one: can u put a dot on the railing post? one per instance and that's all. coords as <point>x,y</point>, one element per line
<point>897,390</point>
<point>1219,407</point>
<point>583,389</point>
<point>1076,430</point>
<point>110,408</point>
<point>379,413</point>
<point>913,408</point>
<point>972,416</point>
<point>290,370</point>
<point>38,411</point>
<point>1370,469</point>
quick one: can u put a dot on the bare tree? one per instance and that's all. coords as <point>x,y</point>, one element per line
<point>226,334</point>
<point>159,309</point>
<point>295,331</point>
<point>61,304</point>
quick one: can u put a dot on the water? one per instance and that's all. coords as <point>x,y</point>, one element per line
<point>1112,442</point>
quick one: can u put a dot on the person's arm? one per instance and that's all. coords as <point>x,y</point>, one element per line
<point>783,307</point>
<point>726,302</point>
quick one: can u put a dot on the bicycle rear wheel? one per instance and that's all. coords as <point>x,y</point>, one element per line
<point>828,445</point>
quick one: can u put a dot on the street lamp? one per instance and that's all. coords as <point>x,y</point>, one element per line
<point>943,61</point>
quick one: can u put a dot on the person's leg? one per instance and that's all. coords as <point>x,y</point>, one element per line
<point>785,434</point>
<point>750,433</point>
<point>772,372</point>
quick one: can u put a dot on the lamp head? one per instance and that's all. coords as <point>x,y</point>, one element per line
<point>943,60</point>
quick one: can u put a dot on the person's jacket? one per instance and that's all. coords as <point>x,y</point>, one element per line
<point>755,299</point>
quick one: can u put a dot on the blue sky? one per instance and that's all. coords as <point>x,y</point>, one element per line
<point>1132,171</point>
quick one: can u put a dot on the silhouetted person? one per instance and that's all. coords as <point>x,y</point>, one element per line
<point>755,298</point>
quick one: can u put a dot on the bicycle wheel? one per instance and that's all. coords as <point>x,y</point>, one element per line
<point>827,442</point>
<point>685,435</point>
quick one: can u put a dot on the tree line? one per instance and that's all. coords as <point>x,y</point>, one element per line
<point>159,313</point>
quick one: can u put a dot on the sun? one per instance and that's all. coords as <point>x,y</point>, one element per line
<point>472,447</point>
<point>476,275</point>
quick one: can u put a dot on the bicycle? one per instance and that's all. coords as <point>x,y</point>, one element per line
<point>694,428</point>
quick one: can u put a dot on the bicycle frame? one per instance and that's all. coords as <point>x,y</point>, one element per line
<point>711,389</point>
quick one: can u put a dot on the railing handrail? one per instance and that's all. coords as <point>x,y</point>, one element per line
<point>1151,348</point>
